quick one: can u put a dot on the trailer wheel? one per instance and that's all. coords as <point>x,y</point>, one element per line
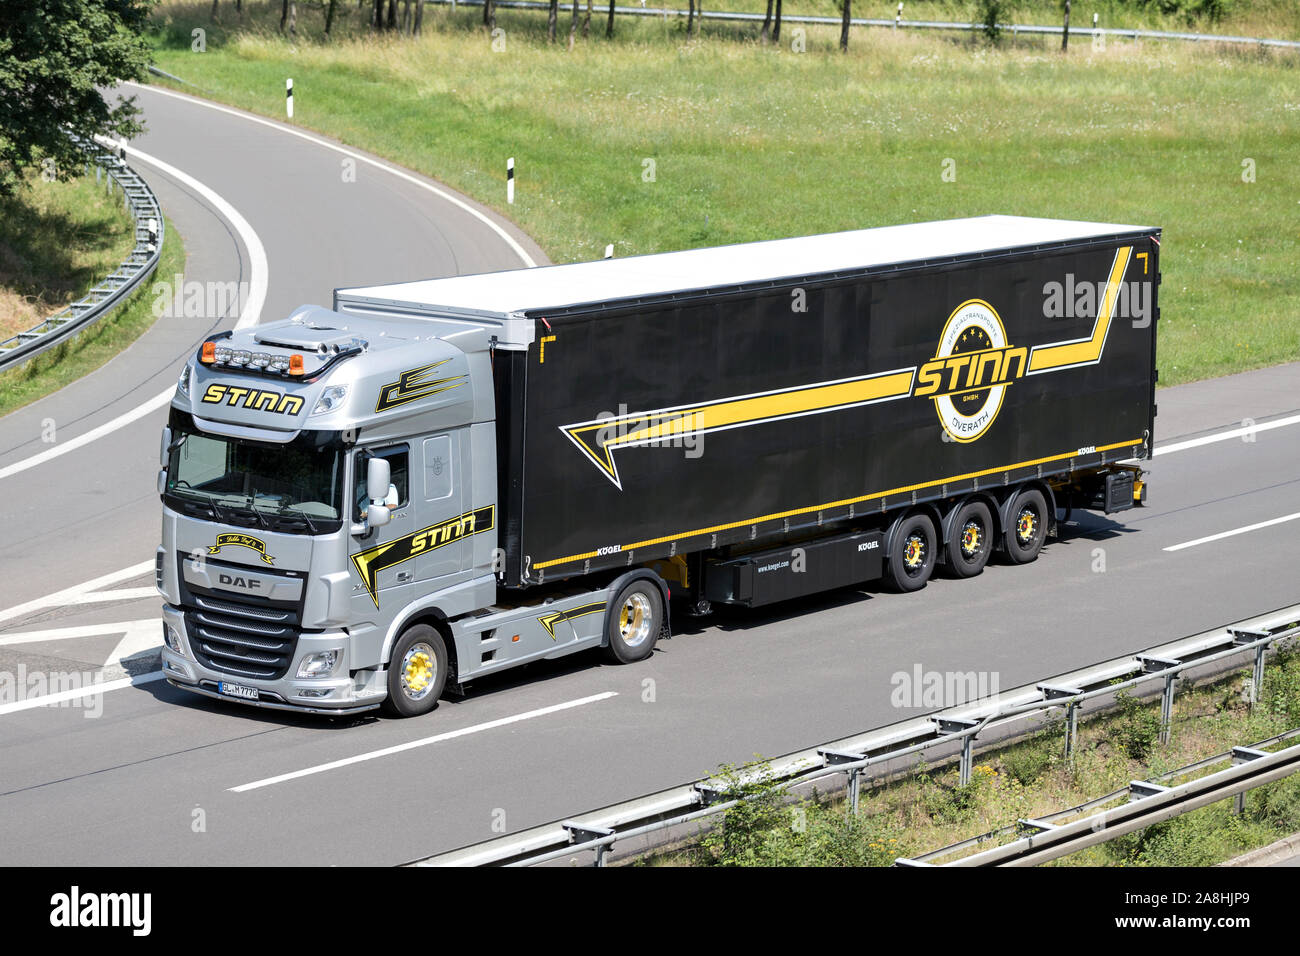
<point>1026,526</point>
<point>910,562</point>
<point>971,540</point>
<point>634,620</point>
<point>417,672</point>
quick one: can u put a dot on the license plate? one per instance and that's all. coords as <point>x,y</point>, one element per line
<point>237,690</point>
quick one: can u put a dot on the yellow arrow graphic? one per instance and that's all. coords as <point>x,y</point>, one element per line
<point>599,439</point>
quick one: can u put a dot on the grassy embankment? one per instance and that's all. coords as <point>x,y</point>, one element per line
<point>56,241</point>
<point>751,142</point>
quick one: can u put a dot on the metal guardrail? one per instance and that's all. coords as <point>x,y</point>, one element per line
<point>115,288</point>
<point>1149,803</point>
<point>1015,29</point>
<point>871,754</point>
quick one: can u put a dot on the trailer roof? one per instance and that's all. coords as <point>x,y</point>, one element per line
<point>555,287</point>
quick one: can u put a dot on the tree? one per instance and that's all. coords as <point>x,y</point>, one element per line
<point>54,60</point>
<point>551,16</point>
<point>609,28</point>
<point>776,24</point>
<point>844,26</point>
<point>767,23</point>
<point>489,15</point>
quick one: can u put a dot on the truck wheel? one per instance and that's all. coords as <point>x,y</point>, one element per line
<point>911,560</point>
<point>417,672</point>
<point>634,621</point>
<point>971,540</point>
<point>1026,526</point>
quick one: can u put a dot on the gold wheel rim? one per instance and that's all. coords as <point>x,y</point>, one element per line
<point>1026,525</point>
<point>419,670</point>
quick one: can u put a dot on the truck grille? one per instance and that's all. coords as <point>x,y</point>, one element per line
<point>241,637</point>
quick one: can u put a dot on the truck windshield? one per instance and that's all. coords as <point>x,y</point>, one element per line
<point>294,487</point>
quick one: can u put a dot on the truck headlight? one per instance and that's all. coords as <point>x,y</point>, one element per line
<point>330,399</point>
<point>183,383</point>
<point>171,638</point>
<point>320,664</point>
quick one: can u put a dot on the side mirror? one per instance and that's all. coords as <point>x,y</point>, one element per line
<point>378,475</point>
<point>165,447</point>
<point>378,514</point>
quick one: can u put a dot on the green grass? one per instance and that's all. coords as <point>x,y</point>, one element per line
<point>751,142</point>
<point>72,359</point>
<point>56,240</point>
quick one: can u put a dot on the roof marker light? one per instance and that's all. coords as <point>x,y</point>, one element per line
<point>209,353</point>
<point>295,364</point>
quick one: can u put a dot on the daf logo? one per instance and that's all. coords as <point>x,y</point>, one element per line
<point>234,581</point>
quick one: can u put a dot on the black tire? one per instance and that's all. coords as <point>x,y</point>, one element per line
<point>971,540</point>
<point>634,621</point>
<point>1026,526</point>
<point>417,672</point>
<point>912,554</point>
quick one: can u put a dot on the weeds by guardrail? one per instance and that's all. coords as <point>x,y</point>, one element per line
<point>880,753</point>
<point>113,289</point>
<point>1046,840</point>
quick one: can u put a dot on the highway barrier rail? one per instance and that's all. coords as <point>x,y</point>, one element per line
<point>1015,29</point>
<point>1149,802</point>
<point>879,754</point>
<point>115,288</point>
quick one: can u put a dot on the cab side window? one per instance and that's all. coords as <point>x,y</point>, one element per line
<point>399,458</point>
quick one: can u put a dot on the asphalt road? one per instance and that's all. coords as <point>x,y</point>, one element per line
<point>148,774</point>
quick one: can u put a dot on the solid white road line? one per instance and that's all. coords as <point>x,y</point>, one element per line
<point>1235,531</point>
<point>77,592</point>
<point>121,594</point>
<point>1241,432</point>
<point>89,690</point>
<point>424,742</point>
<point>152,624</point>
<point>259,275</point>
<point>342,150</point>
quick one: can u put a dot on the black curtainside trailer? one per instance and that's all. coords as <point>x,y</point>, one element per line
<point>715,432</point>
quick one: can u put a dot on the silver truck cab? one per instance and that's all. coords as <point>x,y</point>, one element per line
<point>329,491</point>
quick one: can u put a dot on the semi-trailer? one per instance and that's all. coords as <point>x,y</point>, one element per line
<point>435,481</point>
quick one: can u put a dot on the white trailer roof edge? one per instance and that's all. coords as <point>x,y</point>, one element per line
<point>487,299</point>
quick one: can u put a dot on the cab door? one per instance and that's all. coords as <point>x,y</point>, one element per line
<point>445,548</point>
<point>381,562</point>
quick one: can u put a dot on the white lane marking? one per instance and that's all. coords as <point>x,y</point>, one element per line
<point>72,444</point>
<point>142,638</point>
<point>1224,436</point>
<point>121,594</point>
<point>90,690</point>
<point>259,271</point>
<point>154,625</point>
<point>259,275</point>
<point>77,592</point>
<point>1235,531</point>
<point>424,742</point>
<point>400,174</point>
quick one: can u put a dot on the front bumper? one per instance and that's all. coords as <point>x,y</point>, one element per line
<point>343,693</point>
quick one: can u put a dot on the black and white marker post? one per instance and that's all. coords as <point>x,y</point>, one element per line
<point>510,180</point>
<point>288,96</point>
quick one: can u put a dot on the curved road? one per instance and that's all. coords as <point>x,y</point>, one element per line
<point>147,774</point>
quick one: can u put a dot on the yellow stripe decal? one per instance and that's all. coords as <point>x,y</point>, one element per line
<point>832,504</point>
<point>598,440</point>
<point>1045,358</point>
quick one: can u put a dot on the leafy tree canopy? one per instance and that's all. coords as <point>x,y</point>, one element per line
<point>56,57</point>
